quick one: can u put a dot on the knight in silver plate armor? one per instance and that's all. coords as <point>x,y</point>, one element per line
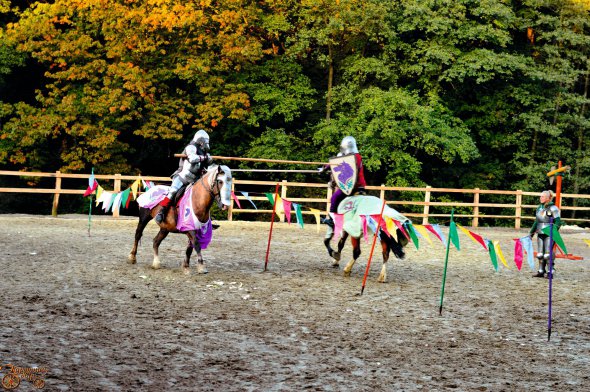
<point>543,215</point>
<point>190,169</point>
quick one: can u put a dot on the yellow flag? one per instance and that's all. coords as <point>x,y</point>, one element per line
<point>391,227</point>
<point>587,242</point>
<point>316,213</point>
<point>134,187</point>
<point>422,230</point>
<point>499,253</point>
<point>98,193</point>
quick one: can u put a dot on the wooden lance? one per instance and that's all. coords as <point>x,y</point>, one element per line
<point>258,160</point>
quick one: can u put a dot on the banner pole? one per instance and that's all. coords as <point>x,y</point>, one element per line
<point>442,291</point>
<point>373,247</point>
<point>272,221</point>
<point>550,272</point>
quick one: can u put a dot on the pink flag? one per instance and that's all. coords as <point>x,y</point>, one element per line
<point>364,223</point>
<point>233,196</point>
<point>518,253</point>
<point>338,222</point>
<point>287,208</point>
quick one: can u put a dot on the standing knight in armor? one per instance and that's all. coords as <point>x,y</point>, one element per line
<point>347,146</point>
<point>545,211</point>
<point>189,169</point>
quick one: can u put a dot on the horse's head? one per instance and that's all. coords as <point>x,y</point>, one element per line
<point>220,180</point>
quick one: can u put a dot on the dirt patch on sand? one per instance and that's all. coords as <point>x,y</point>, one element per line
<point>72,304</point>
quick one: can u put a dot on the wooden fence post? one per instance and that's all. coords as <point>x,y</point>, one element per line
<point>475,221</point>
<point>283,196</point>
<point>426,206</point>
<point>117,189</point>
<point>382,192</point>
<point>518,210</point>
<point>56,194</point>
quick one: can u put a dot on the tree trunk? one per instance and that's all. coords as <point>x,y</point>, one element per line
<point>579,150</point>
<point>330,81</point>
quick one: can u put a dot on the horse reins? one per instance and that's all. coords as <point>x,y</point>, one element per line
<point>213,185</point>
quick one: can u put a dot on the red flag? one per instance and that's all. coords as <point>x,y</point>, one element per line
<point>91,189</point>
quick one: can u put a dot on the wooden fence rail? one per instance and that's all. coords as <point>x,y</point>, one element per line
<point>469,202</point>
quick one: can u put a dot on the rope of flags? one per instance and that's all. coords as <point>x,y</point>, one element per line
<point>523,247</point>
<point>113,201</point>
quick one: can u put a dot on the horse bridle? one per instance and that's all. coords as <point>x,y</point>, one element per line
<point>211,188</point>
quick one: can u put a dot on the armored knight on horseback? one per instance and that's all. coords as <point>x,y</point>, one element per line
<point>347,146</point>
<point>190,169</point>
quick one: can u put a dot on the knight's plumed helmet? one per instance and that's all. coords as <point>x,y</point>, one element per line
<point>348,146</point>
<point>202,139</point>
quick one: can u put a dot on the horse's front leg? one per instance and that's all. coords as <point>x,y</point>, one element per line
<point>193,243</point>
<point>157,241</point>
<point>356,252</point>
<point>144,218</point>
<point>338,254</point>
<point>385,251</point>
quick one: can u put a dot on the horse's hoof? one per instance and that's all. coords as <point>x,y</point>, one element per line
<point>131,260</point>
<point>346,273</point>
<point>336,256</point>
<point>335,264</point>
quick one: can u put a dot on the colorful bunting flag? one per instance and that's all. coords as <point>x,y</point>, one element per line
<point>298,214</point>
<point>391,227</point>
<point>475,237</point>
<point>556,237</point>
<point>435,229</point>
<point>364,225</point>
<point>499,252</point>
<point>246,195</point>
<point>492,252</point>
<point>233,196</point>
<point>316,213</point>
<point>423,232</point>
<point>518,253</point>
<point>527,246</point>
<point>454,236</point>
<point>287,209</point>
<point>410,229</point>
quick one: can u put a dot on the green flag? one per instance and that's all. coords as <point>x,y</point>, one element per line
<point>270,198</point>
<point>298,214</point>
<point>454,236</point>
<point>556,238</point>
<point>412,232</point>
<point>493,256</point>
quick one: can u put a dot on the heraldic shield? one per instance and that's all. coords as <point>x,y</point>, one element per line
<point>344,172</point>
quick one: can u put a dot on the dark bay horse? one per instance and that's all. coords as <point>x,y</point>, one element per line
<point>214,185</point>
<point>388,243</point>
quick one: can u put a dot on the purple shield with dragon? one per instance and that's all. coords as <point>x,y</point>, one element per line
<point>344,172</point>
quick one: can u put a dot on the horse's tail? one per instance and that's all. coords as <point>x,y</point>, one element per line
<point>396,247</point>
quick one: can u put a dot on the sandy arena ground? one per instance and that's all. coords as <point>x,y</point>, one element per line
<point>72,304</point>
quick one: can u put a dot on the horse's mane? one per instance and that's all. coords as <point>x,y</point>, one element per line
<point>214,168</point>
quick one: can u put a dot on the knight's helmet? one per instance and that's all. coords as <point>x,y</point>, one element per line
<point>202,139</point>
<point>348,146</point>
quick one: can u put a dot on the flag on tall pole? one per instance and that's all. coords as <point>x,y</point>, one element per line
<point>272,221</point>
<point>550,274</point>
<point>454,237</point>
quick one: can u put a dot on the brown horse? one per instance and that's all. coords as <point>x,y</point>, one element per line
<point>355,206</point>
<point>214,185</point>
